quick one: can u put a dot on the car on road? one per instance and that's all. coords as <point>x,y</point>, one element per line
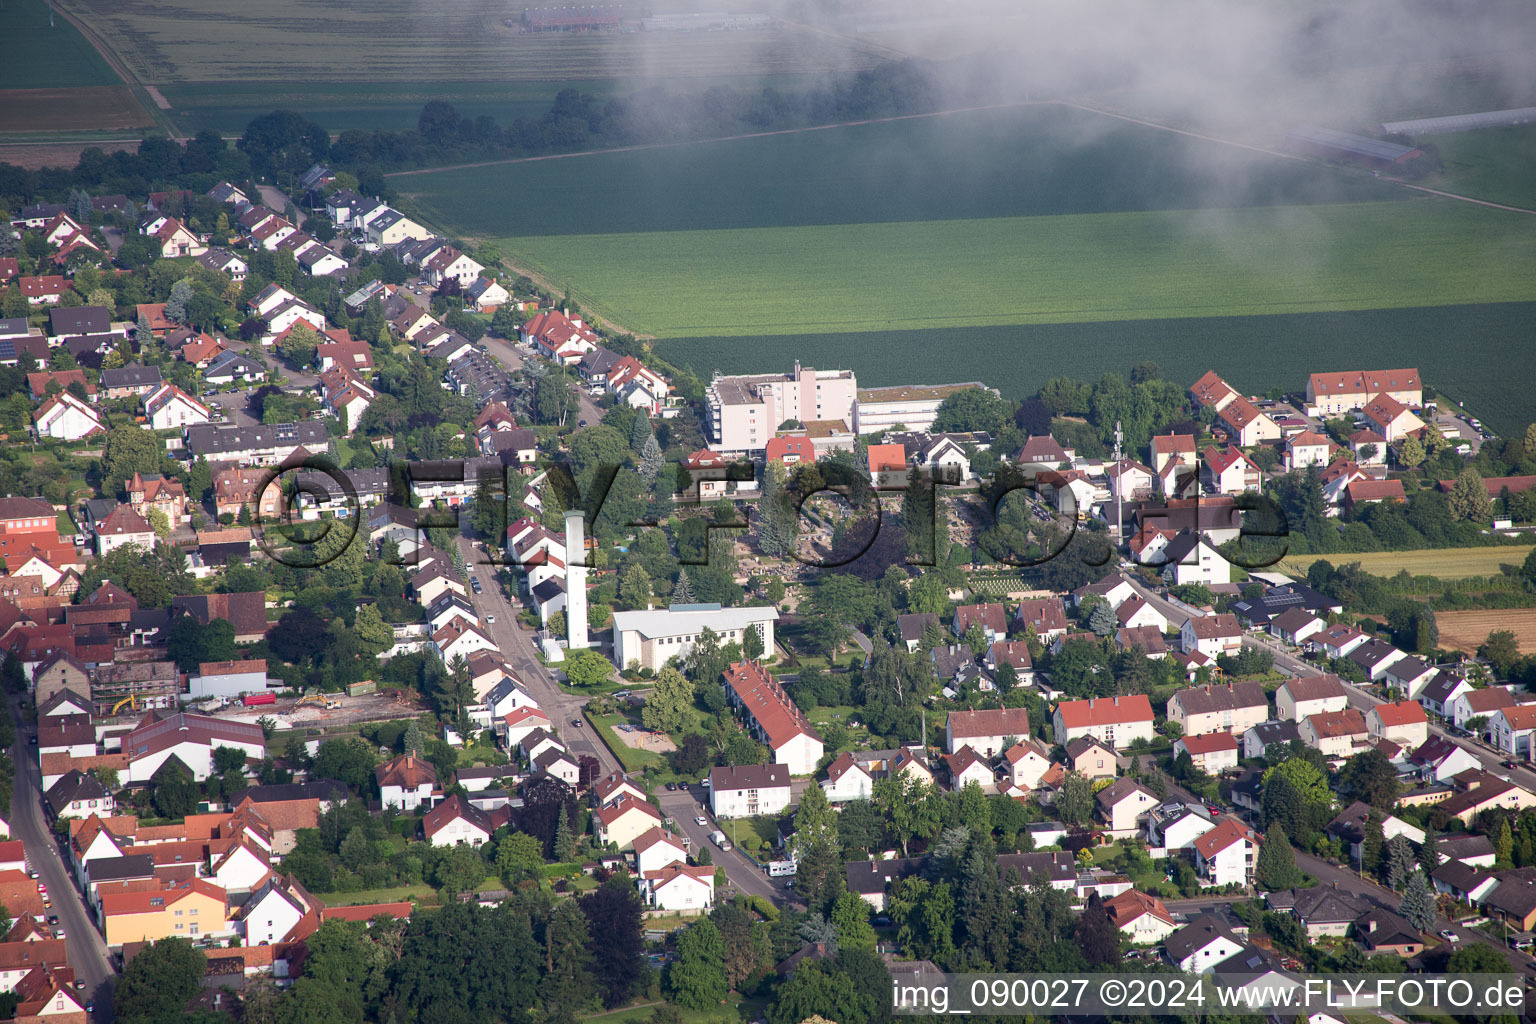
<point>53,918</point>
<point>90,1007</point>
<point>1502,764</point>
<point>576,723</point>
<point>1449,936</point>
<point>491,619</point>
<point>79,984</point>
<point>1214,809</point>
<point>474,584</point>
<point>700,820</point>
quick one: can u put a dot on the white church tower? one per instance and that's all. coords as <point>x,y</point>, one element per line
<point>575,581</point>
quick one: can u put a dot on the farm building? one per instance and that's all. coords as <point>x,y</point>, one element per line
<point>1460,122</point>
<point>1355,149</point>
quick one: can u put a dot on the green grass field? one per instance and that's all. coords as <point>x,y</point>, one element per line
<point>1016,162</point>
<point>39,57</point>
<point>1446,563</point>
<point>1493,164</point>
<point>1255,353</point>
<point>1091,267</point>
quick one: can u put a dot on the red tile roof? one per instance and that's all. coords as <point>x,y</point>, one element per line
<point>1406,712</point>
<point>989,722</point>
<point>1079,714</point>
<point>1227,832</point>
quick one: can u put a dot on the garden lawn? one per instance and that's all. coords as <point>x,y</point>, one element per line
<point>633,759</point>
<point>420,892</point>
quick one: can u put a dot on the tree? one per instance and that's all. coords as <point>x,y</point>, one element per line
<point>815,845</point>
<point>347,760</point>
<point>1504,846</point>
<point>175,793</point>
<point>1469,500</point>
<point>1410,452</point>
<point>1074,802</point>
<point>130,450</point>
<point>639,432</point>
<point>565,840</point>
<point>613,914</point>
<point>1102,619</point>
<point>635,587</point>
<point>176,305</point>
<point>1418,905</point>
<point>376,634</point>
<point>682,592</point>
<point>519,856</point>
<point>1399,861</point>
<point>1500,650</point>
<point>158,982</point>
<point>189,643</point>
<point>908,806</point>
<point>1276,868</point>
<point>1097,935</point>
<point>667,705</point>
<point>1372,778</point>
<point>692,754</point>
<point>587,668</point>
<point>752,642</point>
<point>696,979</point>
<point>972,409</point>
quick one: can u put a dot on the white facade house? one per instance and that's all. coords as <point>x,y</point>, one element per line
<point>1202,944</point>
<point>773,718</point>
<point>1299,699</point>
<point>680,888</point>
<point>987,732</point>
<point>1211,635</point>
<point>1511,729</point>
<point>455,822</point>
<point>406,783</point>
<point>1226,855</point>
<point>657,848</point>
<point>650,639</point>
<point>168,407</point>
<point>64,417</point>
<point>846,780</point>
<point>746,791</point>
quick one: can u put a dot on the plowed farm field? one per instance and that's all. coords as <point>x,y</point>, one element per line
<point>1463,631</point>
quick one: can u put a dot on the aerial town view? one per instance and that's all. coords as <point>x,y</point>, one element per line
<point>766,511</point>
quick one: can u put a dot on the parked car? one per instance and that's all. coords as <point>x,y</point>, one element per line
<point>1449,936</point>
<point>671,787</point>
<point>700,820</point>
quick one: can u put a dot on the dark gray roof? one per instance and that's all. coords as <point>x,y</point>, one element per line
<point>1371,653</point>
<point>319,789</point>
<point>79,320</point>
<point>232,362</point>
<point>113,869</point>
<point>1381,927</point>
<point>1276,732</point>
<point>599,361</point>
<point>1199,700</point>
<point>749,776</point>
<point>1459,847</point>
<point>1460,876</point>
<point>868,877</point>
<point>213,439</point>
<point>133,375</point>
<point>1196,934</point>
<point>913,624</point>
<point>948,661</point>
<point>1055,867</point>
<point>1440,687</point>
<point>548,590</point>
<point>75,785</point>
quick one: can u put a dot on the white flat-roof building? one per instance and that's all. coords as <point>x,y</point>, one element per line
<point>651,638</point>
<point>912,406</point>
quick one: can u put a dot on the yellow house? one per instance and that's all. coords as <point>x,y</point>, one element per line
<point>621,822</point>
<point>194,908</point>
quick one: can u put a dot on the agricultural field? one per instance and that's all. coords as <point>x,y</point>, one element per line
<point>40,57</point>
<point>1446,563</point>
<point>1463,631</point>
<point>99,107</point>
<point>406,42</point>
<point>1276,350</point>
<point>1492,163</point>
<point>1020,161</point>
<point>228,107</point>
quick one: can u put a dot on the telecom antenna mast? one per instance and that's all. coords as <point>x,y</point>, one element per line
<point>1119,456</point>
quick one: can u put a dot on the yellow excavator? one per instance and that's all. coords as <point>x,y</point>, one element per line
<point>313,698</point>
<point>132,700</point>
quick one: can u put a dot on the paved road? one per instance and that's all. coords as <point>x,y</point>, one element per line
<point>87,952</point>
<point>511,358</point>
<point>518,648</point>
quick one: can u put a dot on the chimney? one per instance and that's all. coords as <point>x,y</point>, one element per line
<point>575,580</point>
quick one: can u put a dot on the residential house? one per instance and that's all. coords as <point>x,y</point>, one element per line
<point>406,782</point>
<point>1338,734</point>
<point>1480,791</point>
<point>1322,911</point>
<point>1200,945</point>
<point>1166,448</point>
<point>558,336</point>
<point>1439,693</point>
<point>1143,919</point>
<point>1463,882</point>
<point>190,738</point>
<point>1228,471</point>
<point>1029,760</point>
<point>749,790</point>
<point>1307,449</point>
<point>1382,931</point>
<point>679,888</point>
<point>1211,635</point>
<point>1122,805</point>
<point>454,822</point>
<point>1510,730</point>
<point>1375,657</point>
<point>225,262</point>
<point>1478,704</point>
<point>1333,394</point>
<point>1390,418</point>
<point>1043,615</point>
<point>1300,698</point>
<point>1091,758</point>
<point>626,820</point>
<point>1352,825</point>
<point>1403,723</point>
<point>1439,760</point>
<point>966,767</point>
<point>1211,753</point>
<point>987,732</point>
<point>1246,424</point>
<point>1473,850</point>
<point>229,367</point>
<point>1194,559</point>
<point>79,795</point>
<point>1407,676</point>
<point>847,779</point>
<point>773,717</point>
<point>1174,827</point>
<point>991,618</point>
<point>1014,653</point>
<point>193,909</point>
<point>64,417</point>
<point>1234,708</point>
<point>1226,854</point>
<point>1365,492</point>
<point>123,527</point>
<point>247,611</point>
<point>1115,721</point>
<point>1135,613</point>
<point>657,848</point>
<point>1296,626</point>
<point>170,408</point>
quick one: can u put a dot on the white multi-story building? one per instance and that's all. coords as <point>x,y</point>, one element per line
<point>748,790</point>
<point>773,718</point>
<point>651,638</point>
<point>745,412</point>
<point>911,407</point>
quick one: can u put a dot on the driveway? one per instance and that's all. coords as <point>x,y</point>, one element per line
<point>511,358</point>
<point>83,943</point>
